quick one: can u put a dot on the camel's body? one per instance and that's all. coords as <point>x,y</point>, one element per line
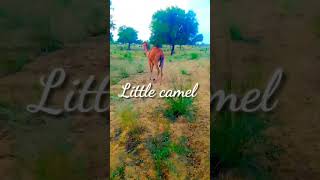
<point>155,58</point>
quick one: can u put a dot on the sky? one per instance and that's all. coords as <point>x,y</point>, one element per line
<point>138,14</point>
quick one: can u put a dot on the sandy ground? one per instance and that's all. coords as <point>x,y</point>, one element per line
<point>87,132</point>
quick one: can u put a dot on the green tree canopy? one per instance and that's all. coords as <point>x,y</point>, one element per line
<point>173,26</point>
<point>197,38</point>
<point>112,24</point>
<point>127,35</point>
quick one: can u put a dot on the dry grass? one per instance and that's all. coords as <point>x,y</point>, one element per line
<point>153,119</point>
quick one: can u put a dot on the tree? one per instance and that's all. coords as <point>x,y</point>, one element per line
<point>127,35</point>
<point>112,24</point>
<point>197,38</point>
<point>173,26</point>
<point>139,41</point>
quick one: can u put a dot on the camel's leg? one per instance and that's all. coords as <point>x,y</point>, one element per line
<point>161,59</point>
<point>161,75</point>
<point>158,70</point>
<point>151,68</point>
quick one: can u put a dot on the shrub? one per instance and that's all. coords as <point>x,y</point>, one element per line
<point>127,115</point>
<point>182,147</point>
<point>14,116</point>
<point>134,138</point>
<point>316,26</point>
<point>234,141</point>
<point>13,66</point>
<point>20,63</point>
<point>140,68</point>
<point>184,72</point>
<point>161,148</point>
<point>235,33</point>
<point>118,172</point>
<point>180,107</point>
<point>127,56</point>
<point>115,97</point>
<point>194,56</point>
<point>115,80</point>
<point>124,73</point>
<point>49,44</point>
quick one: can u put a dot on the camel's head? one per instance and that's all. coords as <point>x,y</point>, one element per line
<point>145,46</point>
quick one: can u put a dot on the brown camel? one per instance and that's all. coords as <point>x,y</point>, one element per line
<point>155,58</point>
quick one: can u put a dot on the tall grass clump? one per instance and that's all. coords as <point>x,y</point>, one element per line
<point>128,56</point>
<point>316,26</point>
<point>194,56</point>
<point>115,80</point>
<point>123,73</point>
<point>140,68</point>
<point>13,65</point>
<point>237,142</point>
<point>14,116</point>
<point>133,138</point>
<point>162,148</point>
<point>127,115</point>
<point>184,72</point>
<point>179,107</point>
<point>118,173</point>
<point>237,35</point>
<point>20,63</point>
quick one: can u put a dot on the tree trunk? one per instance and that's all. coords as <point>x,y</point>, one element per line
<point>129,46</point>
<point>172,49</point>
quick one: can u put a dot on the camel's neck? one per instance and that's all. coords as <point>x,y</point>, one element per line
<point>146,50</point>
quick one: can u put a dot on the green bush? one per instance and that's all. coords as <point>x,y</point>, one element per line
<point>128,56</point>
<point>124,73</point>
<point>180,107</point>
<point>194,56</point>
<point>182,147</point>
<point>184,72</point>
<point>115,80</point>
<point>235,33</point>
<point>119,172</point>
